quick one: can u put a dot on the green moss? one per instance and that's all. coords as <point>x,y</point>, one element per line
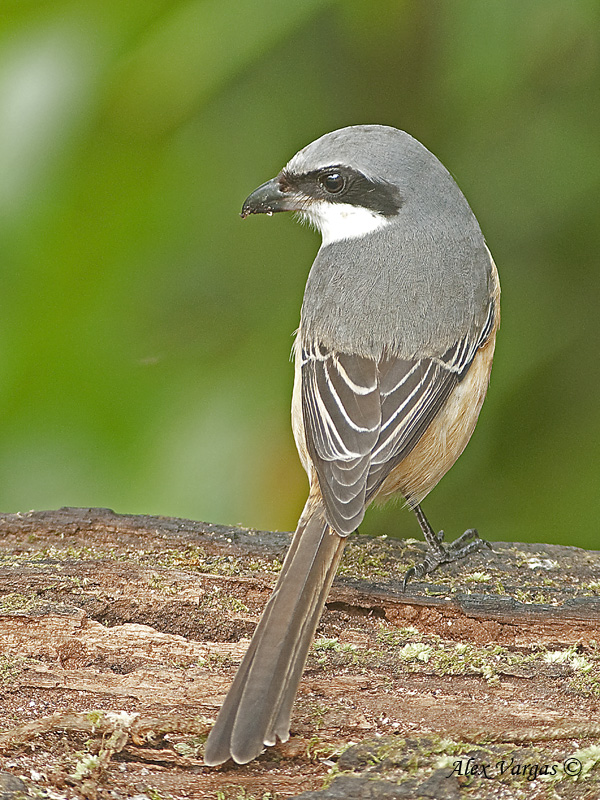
<point>217,599</point>
<point>154,794</point>
<point>317,750</point>
<point>513,768</point>
<point>237,792</point>
<point>477,577</point>
<point>414,652</point>
<point>365,558</point>
<point>193,558</point>
<point>14,601</point>
<point>589,758</point>
<point>396,637</point>
<point>587,682</point>
<point>95,717</point>
<point>10,667</point>
<point>533,596</point>
<point>318,713</point>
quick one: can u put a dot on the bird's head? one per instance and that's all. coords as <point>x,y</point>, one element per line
<point>343,183</point>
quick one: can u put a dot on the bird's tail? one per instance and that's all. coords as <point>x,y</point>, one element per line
<point>258,706</point>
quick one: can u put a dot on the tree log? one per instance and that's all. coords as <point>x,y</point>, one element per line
<point>120,634</point>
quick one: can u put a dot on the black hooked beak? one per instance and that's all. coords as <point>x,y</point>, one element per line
<point>269,199</point>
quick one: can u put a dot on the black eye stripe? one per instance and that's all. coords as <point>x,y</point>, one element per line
<point>341,184</point>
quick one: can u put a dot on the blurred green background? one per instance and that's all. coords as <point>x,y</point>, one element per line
<point>145,330</point>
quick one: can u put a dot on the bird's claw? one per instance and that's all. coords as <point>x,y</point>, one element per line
<point>439,554</point>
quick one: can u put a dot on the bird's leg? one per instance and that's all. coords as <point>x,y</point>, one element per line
<point>439,553</point>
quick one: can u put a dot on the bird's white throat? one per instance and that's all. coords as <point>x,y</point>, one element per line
<point>339,221</point>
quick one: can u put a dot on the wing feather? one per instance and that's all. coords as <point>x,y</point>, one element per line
<point>362,416</point>
<point>342,419</point>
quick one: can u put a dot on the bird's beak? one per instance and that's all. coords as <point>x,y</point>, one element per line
<point>269,199</point>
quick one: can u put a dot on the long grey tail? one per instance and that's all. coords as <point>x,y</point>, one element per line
<point>258,706</point>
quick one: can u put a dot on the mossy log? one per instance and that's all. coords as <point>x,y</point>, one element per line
<point>120,634</point>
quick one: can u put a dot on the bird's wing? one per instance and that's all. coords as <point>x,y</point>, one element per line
<point>362,417</point>
<point>342,419</point>
<point>412,393</point>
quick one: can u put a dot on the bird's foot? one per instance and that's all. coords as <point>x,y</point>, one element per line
<point>439,553</point>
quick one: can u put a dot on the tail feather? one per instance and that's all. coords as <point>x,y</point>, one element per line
<point>258,705</point>
<point>281,727</point>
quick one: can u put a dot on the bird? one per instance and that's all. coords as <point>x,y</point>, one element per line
<point>392,363</point>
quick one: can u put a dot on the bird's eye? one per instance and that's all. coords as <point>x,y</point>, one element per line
<point>332,182</point>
